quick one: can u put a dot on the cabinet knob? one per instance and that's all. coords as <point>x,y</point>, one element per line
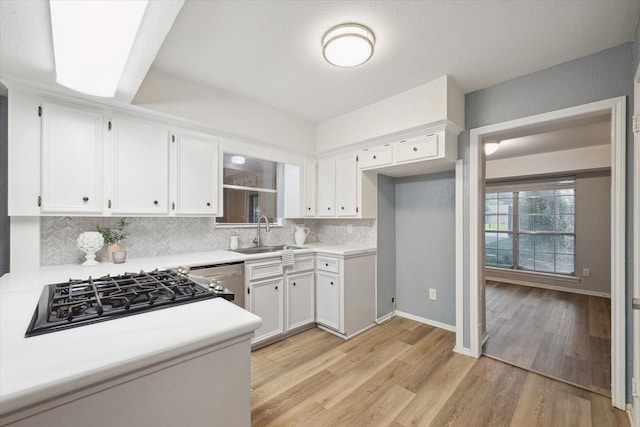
<point>309,209</point>
<point>276,288</point>
<point>329,208</point>
<point>326,264</point>
<point>331,283</point>
<point>155,202</point>
<point>294,283</point>
<point>208,204</point>
<point>374,157</point>
<point>343,208</point>
<point>85,199</point>
<point>415,148</point>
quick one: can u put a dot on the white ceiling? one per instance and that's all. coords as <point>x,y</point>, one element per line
<point>269,51</point>
<point>579,133</point>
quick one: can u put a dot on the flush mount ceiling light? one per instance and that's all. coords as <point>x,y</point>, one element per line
<point>92,41</point>
<point>237,160</point>
<point>348,45</point>
<point>491,147</point>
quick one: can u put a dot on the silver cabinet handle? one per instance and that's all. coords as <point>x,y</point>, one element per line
<point>636,303</point>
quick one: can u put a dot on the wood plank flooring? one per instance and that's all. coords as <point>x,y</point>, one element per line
<point>405,373</point>
<point>559,334</point>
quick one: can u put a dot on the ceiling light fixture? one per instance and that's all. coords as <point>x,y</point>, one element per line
<point>491,147</point>
<point>237,160</point>
<point>348,45</point>
<point>92,41</point>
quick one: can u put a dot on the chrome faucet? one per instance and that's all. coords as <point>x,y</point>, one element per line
<point>256,241</point>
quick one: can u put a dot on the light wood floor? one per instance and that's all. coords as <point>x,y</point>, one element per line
<point>560,334</point>
<point>404,373</point>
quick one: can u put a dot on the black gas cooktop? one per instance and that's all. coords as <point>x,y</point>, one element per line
<point>81,302</point>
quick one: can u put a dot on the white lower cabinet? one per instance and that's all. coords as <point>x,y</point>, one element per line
<point>345,293</point>
<point>266,301</point>
<point>284,297</point>
<point>300,310</point>
<point>328,300</point>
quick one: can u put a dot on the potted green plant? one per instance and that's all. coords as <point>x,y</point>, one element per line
<point>113,237</point>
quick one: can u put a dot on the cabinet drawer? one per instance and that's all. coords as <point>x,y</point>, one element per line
<point>261,270</point>
<point>302,263</point>
<point>328,264</point>
<point>417,149</point>
<point>375,157</point>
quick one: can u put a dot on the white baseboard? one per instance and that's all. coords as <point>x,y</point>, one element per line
<point>426,321</point>
<point>385,318</point>
<point>550,287</point>
<point>463,350</point>
<point>345,337</point>
<point>629,412</point>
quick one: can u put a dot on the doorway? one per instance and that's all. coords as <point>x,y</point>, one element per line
<point>547,220</point>
<point>616,108</point>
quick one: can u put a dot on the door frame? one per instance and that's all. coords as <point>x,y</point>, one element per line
<point>636,248</point>
<point>617,108</point>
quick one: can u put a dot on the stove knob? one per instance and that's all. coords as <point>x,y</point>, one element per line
<point>218,288</point>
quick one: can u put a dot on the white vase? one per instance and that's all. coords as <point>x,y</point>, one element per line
<point>301,234</point>
<point>90,242</point>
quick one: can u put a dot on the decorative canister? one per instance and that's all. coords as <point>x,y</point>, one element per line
<point>90,242</point>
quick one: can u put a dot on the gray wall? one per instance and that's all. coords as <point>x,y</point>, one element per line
<point>603,75</point>
<point>425,245</point>
<point>386,245</point>
<point>4,219</point>
<point>593,238</point>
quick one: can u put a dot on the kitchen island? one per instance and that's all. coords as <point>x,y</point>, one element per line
<point>183,365</point>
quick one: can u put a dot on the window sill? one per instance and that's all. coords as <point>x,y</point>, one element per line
<point>271,225</point>
<point>525,273</point>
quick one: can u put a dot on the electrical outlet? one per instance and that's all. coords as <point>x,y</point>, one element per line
<point>350,228</point>
<point>432,294</point>
<point>586,272</point>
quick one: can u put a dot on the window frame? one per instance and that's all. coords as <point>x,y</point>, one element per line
<point>516,232</point>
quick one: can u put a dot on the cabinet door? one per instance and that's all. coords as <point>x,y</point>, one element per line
<point>197,170</point>
<point>310,171</point>
<point>141,168</point>
<point>328,300</point>
<point>71,160</point>
<point>266,301</point>
<point>300,299</point>
<point>326,187</point>
<point>346,190</point>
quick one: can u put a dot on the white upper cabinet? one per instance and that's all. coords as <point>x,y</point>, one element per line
<point>347,185</point>
<point>71,160</point>
<point>327,187</point>
<point>140,168</point>
<point>310,171</point>
<point>338,186</point>
<point>198,175</point>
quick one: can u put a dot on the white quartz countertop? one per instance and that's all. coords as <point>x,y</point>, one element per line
<point>45,366</point>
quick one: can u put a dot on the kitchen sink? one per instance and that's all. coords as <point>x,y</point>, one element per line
<point>261,249</point>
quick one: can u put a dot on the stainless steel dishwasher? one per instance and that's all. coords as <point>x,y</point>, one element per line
<point>230,275</point>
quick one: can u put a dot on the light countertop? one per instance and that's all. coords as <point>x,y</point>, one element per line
<point>45,366</point>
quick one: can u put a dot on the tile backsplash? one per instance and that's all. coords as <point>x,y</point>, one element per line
<point>166,236</point>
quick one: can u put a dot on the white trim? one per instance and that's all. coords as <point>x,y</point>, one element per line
<point>630,414</point>
<point>460,254</point>
<point>551,287</point>
<point>385,318</point>
<point>426,321</point>
<point>533,274</point>
<point>345,337</point>
<point>616,107</point>
<point>635,405</point>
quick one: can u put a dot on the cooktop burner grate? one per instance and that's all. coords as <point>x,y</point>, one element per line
<point>80,302</point>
